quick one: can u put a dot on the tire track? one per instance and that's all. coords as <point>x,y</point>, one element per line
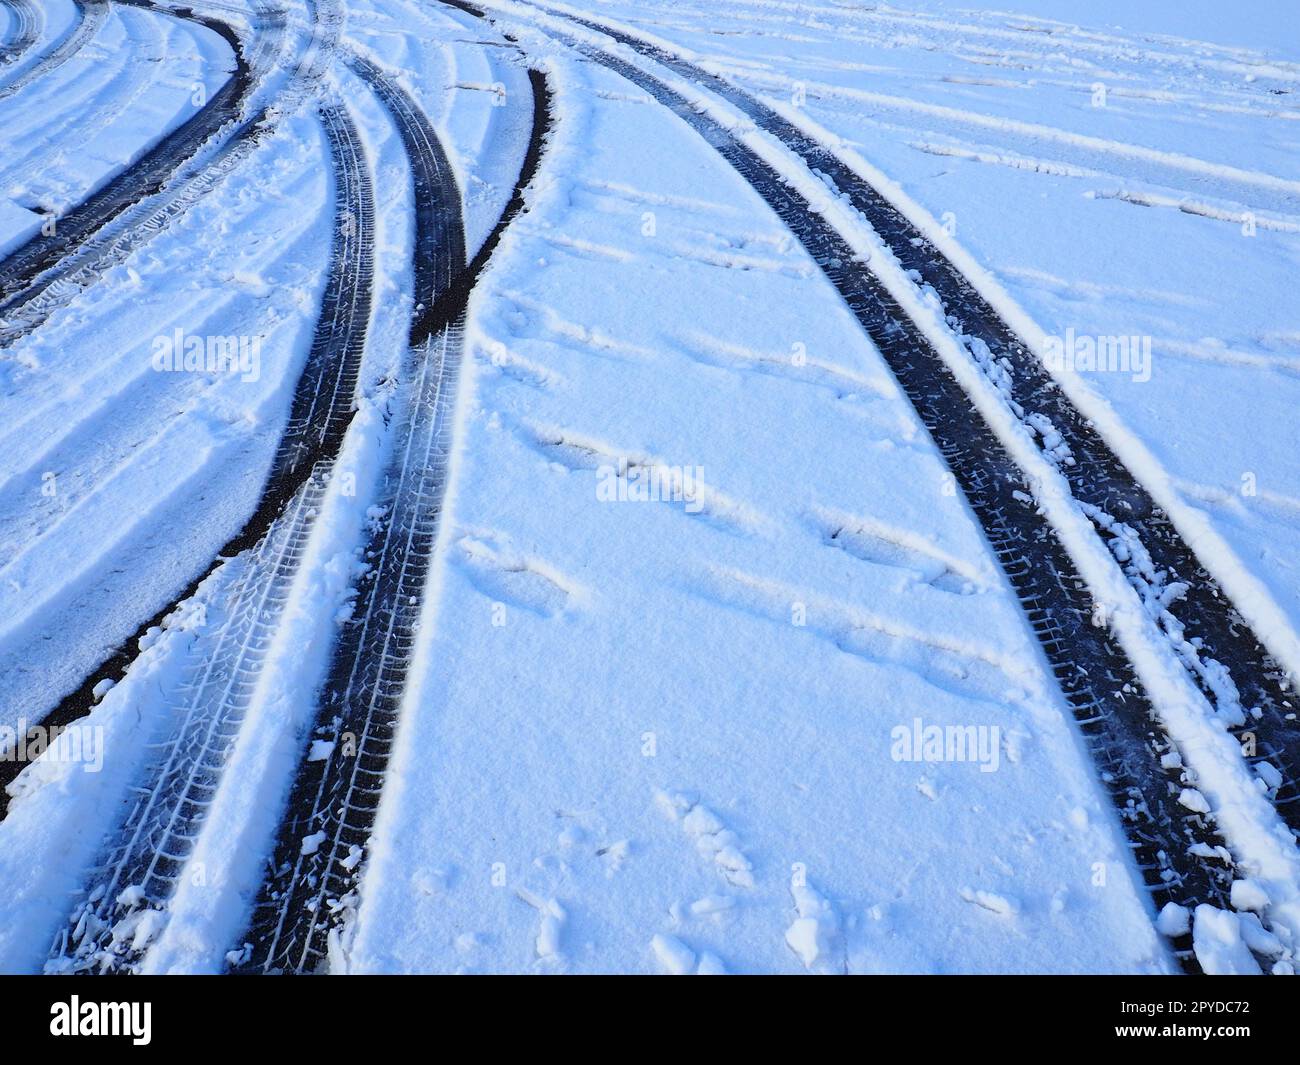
<point>1171,845</point>
<point>26,273</point>
<point>28,23</point>
<point>307,898</point>
<point>90,16</point>
<point>79,121</point>
<point>1222,654</point>
<point>282,481</point>
<point>118,239</point>
<point>145,855</point>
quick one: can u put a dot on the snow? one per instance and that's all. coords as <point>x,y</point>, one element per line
<point>1232,496</point>
<point>703,719</point>
<point>674,955</point>
<point>65,134</point>
<point>1249,895</point>
<point>1219,944</point>
<point>814,934</point>
<point>311,844</point>
<point>17,225</point>
<point>1174,920</point>
<point>700,570</point>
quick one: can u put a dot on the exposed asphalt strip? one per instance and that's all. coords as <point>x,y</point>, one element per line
<point>146,851</point>
<point>1177,851</point>
<point>90,16</point>
<point>289,467</point>
<point>1222,654</point>
<point>25,273</point>
<point>27,28</point>
<point>308,895</point>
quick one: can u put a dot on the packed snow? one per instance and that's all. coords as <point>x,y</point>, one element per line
<point>716,670</point>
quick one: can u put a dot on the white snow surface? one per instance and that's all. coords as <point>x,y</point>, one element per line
<point>651,735</point>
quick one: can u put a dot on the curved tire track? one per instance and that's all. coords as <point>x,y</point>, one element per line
<point>139,223</point>
<point>1098,682</point>
<point>90,16</point>
<point>26,273</point>
<point>78,121</point>
<point>1205,626</point>
<point>146,854</point>
<point>306,900</point>
<point>82,268</point>
<point>28,23</point>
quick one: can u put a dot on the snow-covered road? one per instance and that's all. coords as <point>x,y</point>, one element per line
<point>754,486</point>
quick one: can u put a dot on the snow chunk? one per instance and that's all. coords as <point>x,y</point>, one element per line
<point>137,930</point>
<point>551,931</point>
<point>815,932</point>
<point>552,920</point>
<point>1219,944</point>
<point>311,844</point>
<point>1248,895</point>
<point>702,822</point>
<point>131,896</point>
<point>1269,775</point>
<point>1174,920</point>
<point>712,838</point>
<point>1258,938</point>
<point>320,750</point>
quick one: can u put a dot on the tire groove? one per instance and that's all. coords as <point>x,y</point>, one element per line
<point>287,470</point>
<point>28,23</point>
<point>1109,703</point>
<point>21,272</point>
<point>1259,703</point>
<point>306,898</point>
<point>145,855</point>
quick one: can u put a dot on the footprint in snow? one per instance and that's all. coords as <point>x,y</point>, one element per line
<point>506,575</point>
